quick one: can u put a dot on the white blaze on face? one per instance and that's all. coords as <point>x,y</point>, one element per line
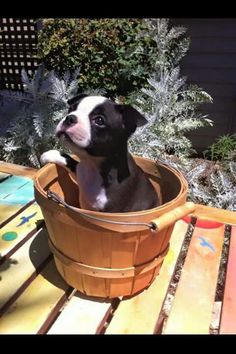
<point>80,132</point>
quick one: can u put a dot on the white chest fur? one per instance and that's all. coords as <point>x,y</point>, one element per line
<point>92,193</point>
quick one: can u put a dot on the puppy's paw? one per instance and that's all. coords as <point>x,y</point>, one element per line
<point>53,156</point>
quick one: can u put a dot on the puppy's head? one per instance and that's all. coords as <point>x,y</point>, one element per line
<point>98,125</point>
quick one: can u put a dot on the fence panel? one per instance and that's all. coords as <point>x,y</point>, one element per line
<point>18,39</point>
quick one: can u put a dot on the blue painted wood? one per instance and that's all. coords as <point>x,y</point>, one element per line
<point>4,176</point>
<point>22,195</point>
<point>11,184</point>
<point>15,200</point>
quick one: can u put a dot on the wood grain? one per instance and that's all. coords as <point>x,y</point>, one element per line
<point>228,316</point>
<point>17,170</point>
<point>12,184</point>
<point>193,302</point>
<point>16,270</point>
<point>139,314</point>
<point>15,195</point>
<point>35,304</point>
<point>21,226</point>
<point>81,315</point>
<point>209,213</point>
<point>3,176</point>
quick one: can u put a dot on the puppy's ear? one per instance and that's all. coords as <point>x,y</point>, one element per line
<point>76,99</point>
<point>132,113</point>
<point>132,118</point>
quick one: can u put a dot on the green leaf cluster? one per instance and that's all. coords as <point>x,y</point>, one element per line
<point>110,52</point>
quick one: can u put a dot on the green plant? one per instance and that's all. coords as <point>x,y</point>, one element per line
<point>108,51</point>
<point>223,149</point>
<point>169,104</point>
<point>33,115</point>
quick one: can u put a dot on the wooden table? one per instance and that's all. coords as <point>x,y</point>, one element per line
<point>35,299</point>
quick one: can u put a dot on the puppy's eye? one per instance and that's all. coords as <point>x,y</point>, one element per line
<point>99,120</point>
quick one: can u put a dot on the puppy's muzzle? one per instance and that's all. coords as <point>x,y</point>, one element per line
<point>70,120</point>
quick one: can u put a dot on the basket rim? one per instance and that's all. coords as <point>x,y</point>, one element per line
<point>178,174</point>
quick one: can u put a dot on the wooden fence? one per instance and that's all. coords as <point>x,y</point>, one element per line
<point>18,38</point>
<point>211,64</point>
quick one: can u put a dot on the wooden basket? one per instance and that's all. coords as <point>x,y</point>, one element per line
<point>110,254</point>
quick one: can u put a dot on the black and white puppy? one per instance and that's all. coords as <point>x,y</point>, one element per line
<point>96,129</point>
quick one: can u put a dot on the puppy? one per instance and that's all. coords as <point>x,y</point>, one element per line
<point>97,129</point>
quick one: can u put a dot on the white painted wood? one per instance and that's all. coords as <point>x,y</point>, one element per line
<point>81,315</point>
<point>18,268</point>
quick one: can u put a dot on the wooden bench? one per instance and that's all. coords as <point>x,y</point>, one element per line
<point>183,298</point>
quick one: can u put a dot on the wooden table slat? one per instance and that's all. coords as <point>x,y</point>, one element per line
<point>228,316</point>
<point>12,184</point>
<point>82,315</point>
<point>22,195</point>
<point>17,170</point>
<point>193,302</point>
<point>15,200</point>
<point>139,314</point>
<point>32,308</point>
<point>3,176</point>
<point>19,227</point>
<point>216,214</point>
<point>16,270</point>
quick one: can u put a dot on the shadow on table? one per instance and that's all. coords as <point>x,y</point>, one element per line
<point>39,252</point>
<point>42,259</point>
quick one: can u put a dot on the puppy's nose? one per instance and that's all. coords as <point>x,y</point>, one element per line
<point>70,119</point>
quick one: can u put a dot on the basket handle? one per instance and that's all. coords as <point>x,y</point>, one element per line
<point>172,216</point>
<point>155,225</point>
